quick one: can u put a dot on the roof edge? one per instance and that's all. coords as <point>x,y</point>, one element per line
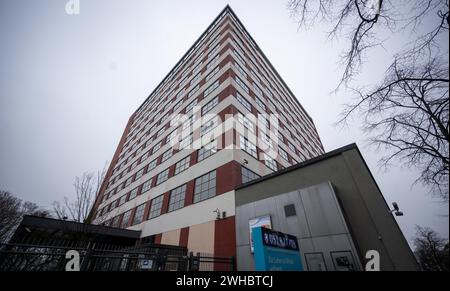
<point>317,159</point>
<point>224,10</point>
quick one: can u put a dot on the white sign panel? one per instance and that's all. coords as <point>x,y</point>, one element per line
<point>263,221</point>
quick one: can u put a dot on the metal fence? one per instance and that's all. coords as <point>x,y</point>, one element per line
<point>208,262</point>
<point>51,256</point>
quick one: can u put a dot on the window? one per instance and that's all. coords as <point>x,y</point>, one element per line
<point>171,137</point>
<point>160,132</point>
<point>162,177</point>
<point>193,91</point>
<point>255,76</point>
<point>212,74</point>
<point>186,142</point>
<point>212,88</point>
<point>162,120</point>
<point>152,165</point>
<point>246,122</point>
<point>139,214</point>
<point>214,51</point>
<point>146,186</point>
<point>145,156</point>
<point>213,62</point>
<point>208,126</point>
<point>257,90</point>
<point>284,155</point>
<point>207,151</point>
<point>167,155</point>
<point>196,78</point>
<point>271,163</point>
<point>205,187</point>
<point>139,174</point>
<point>126,219</point>
<point>177,105</point>
<point>122,199</point>
<point>261,104</point>
<point>182,165</point>
<point>262,120</point>
<point>133,193</point>
<point>181,93</point>
<point>215,40</point>
<point>243,101</point>
<point>210,105</point>
<point>248,175</point>
<point>242,85</point>
<point>197,68</point>
<point>156,148</point>
<point>247,146</point>
<point>128,182</point>
<point>185,72</point>
<point>191,105</point>
<point>239,57</point>
<point>177,198</point>
<point>139,149</point>
<point>291,147</point>
<point>241,70</point>
<point>115,221</point>
<point>155,209</point>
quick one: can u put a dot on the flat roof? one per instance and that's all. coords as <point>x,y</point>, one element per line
<point>66,225</point>
<point>302,165</point>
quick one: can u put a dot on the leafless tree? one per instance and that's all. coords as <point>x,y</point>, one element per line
<point>12,209</point>
<point>86,188</point>
<point>406,115</point>
<point>431,250</point>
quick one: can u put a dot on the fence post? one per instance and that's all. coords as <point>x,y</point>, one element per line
<point>194,262</point>
<point>233,263</point>
<point>85,263</point>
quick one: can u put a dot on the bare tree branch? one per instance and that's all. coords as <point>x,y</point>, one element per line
<point>407,118</point>
<point>86,188</point>
<point>406,115</point>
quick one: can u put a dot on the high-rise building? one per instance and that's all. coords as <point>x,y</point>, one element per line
<point>174,173</point>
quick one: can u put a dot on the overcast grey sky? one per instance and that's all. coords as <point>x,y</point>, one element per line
<point>69,83</point>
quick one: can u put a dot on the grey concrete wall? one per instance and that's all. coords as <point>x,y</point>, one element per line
<point>318,224</point>
<point>368,216</point>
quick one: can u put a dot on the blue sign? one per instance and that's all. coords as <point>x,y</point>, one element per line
<point>275,251</point>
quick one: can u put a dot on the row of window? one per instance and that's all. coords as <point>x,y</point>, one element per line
<point>132,135</point>
<point>128,148</point>
<point>265,68</point>
<point>201,188</point>
<point>252,72</point>
<point>169,81</point>
<point>163,176</point>
<point>261,104</point>
<point>206,128</point>
<point>300,118</point>
<point>205,109</point>
<point>205,188</point>
<point>248,105</point>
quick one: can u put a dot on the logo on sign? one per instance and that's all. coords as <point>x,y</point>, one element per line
<point>279,240</point>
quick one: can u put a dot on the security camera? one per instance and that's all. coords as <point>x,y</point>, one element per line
<point>217,211</point>
<point>396,209</point>
<point>395,206</point>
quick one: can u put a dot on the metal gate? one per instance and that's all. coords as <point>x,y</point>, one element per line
<point>51,256</point>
